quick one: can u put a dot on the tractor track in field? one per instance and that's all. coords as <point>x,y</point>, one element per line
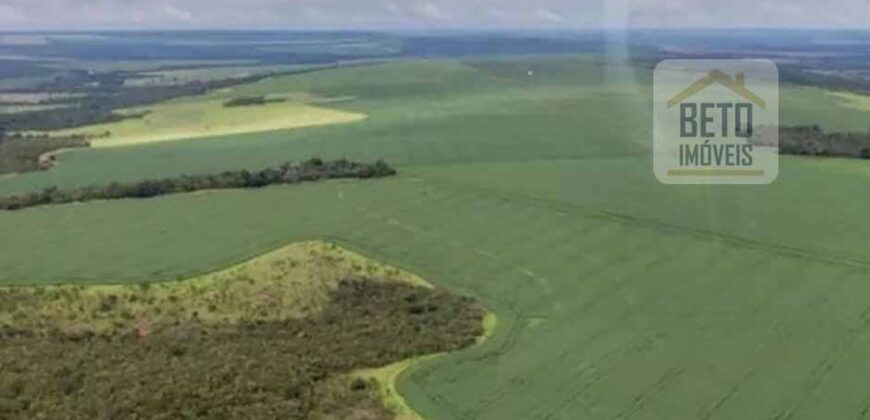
<point>592,375</point>
<point>640,401</point>
<point>517,316</point>
<point>604,364</point>
<point>820,372</point>
<point>709,411</point>
<point>662,226</point>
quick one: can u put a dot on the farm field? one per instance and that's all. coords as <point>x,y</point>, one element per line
<point>616,297</point>
<point>429,113</point>
<point>208,117</point>
<point>174,77</point>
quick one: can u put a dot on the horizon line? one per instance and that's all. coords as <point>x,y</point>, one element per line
<point>388,28</point>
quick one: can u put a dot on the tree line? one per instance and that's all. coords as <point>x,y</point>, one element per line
<point>251,101</point>
<point>288,173</point>
<point>813,141</point>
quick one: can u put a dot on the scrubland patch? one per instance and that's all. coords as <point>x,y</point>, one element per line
<point>292,282</point>
<point>275,337</point>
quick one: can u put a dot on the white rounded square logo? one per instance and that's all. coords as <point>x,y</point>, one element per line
<point>707,118</point>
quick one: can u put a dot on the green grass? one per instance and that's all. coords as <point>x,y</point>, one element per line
<point>616,297</point>
<point>800,105</point>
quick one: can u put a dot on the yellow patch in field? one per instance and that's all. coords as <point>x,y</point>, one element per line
<point>853,100</point>
<point>208,118</point>
<point>387,376</point>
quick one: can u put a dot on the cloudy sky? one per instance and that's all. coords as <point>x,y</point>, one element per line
<point>297,14</point>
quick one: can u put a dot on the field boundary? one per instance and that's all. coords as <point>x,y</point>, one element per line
<point>388,377</point>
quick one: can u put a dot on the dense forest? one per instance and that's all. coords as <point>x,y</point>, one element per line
<point>187,367</point>
<point>288,173</point>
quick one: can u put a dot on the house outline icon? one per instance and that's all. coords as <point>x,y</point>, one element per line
<point>736,85</point>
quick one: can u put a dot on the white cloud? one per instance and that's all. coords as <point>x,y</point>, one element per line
<point>548,16</point>
<point>11,16</point>
<point>429,10</point>
<point>177,14</point>
<point>121,14</point>
<point>393,9</point>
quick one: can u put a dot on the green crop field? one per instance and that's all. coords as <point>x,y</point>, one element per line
<point>616,297</point>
